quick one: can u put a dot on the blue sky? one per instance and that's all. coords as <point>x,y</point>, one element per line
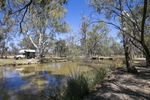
<point>75,9</point>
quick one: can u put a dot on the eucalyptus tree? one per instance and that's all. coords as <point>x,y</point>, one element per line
<point>3,46</point>
<point>116,48</point>
<point>131,23</point>
<point>61,48</point>
<point>6,36</point>
<point>6,30</point>
<point>39,20</point>
<point>97,39</point>
<point>25,43</point>
<point>94,37</point>
<point>14,49</point>
<point>74,49</point>
<point>84,32</point>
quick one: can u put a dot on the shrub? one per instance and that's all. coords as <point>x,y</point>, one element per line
<point>96,76</point>
<point>112,67</point>
<point>77,87</point>
<point>100,74</point>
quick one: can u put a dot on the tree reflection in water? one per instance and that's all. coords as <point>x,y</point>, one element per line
<point>18,85</point>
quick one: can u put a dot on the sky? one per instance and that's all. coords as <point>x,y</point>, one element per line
<point>75,10</point>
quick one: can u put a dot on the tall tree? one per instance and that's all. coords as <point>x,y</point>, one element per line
<point>83,31</point>
<point>74,51</point>
<point>39,20</point>
<point>61,48</point>
<point>14,49</point>
<point>97,39</point>
<point>92,36</point>
<point>25,43</point>
<point>127,12</point>
<point>116,47</point>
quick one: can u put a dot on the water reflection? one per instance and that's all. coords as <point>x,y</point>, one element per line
<point>13,82</point>
<point>10,82</point>
<point>11,79</point>
<point>32,82</point>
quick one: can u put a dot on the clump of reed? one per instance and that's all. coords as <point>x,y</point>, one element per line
<point>77,87</point>
<point>79,84</point>
<point>96,76</point>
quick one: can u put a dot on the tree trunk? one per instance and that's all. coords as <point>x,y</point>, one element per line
<point>40,54</point>
<point>127,52</point>
<point>146,50</point>
<point>148,60</point>
<point>6,51</point>
<point>146,53</point>
<point>39,48</point>
<point>127,44</point>
<point>3,50</point>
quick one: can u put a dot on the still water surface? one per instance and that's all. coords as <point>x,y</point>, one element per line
<point>34,81</point>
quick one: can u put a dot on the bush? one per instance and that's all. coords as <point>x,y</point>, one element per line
<point>77,87</point>
<point>100,74</point>
<point>112,67</point>
<point>96,76</point>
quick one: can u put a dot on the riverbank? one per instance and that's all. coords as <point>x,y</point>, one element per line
<point>14,62</point>
<point>120,85</point>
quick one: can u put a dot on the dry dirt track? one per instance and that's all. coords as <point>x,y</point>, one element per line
<point>123,86</point>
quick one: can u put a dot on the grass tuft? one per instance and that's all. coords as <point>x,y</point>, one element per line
<point>96,76</point>
<point>77,87</point>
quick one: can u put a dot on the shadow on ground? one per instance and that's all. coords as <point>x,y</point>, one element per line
<point>144,73</point>
<point>121,85</point>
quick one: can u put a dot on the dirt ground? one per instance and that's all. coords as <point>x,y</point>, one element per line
<point>120,85</point>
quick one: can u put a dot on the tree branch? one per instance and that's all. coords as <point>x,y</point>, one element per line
<point>23,19</point>
<point>137,46</point>
<point>32,41</point>
<point>135,23</point>
<point>27,5</point>
<point>117,27</point>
